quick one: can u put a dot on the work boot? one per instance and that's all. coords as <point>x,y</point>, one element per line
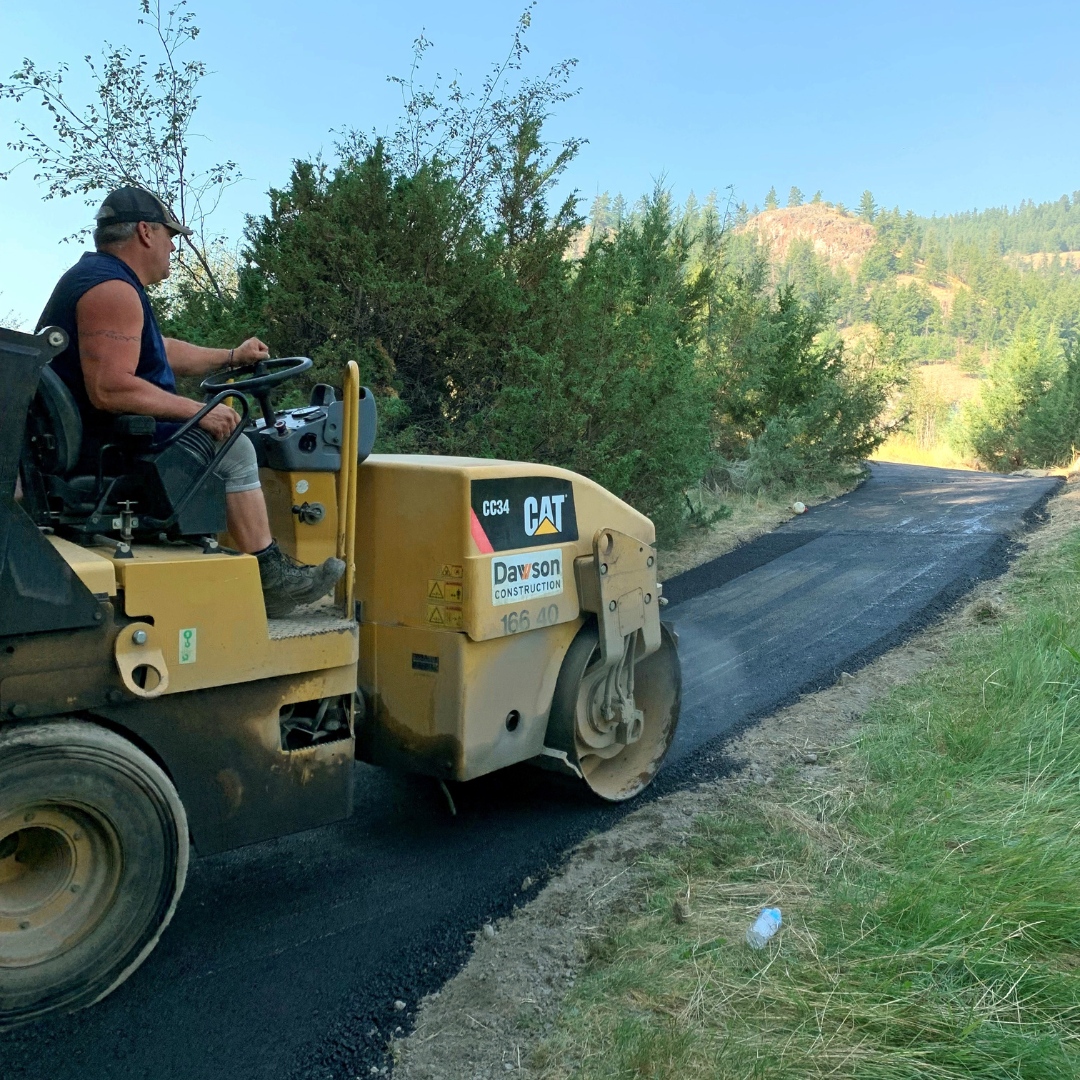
<point>287,583</point>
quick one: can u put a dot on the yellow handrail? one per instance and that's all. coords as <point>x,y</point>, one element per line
<point>354,451</point>
<point>346,493</point>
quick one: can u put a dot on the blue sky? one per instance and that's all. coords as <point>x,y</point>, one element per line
<point>933,106</point>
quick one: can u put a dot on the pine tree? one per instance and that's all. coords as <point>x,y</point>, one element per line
<point>771,202</point>
<point>817,196</point>
<point>795,197</point>
<point>867,206</point>
<point>600,216</point>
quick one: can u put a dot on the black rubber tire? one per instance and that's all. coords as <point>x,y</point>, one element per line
<point>659,695</point>
<point>93,857</point>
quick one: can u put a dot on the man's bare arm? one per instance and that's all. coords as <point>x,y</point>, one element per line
<point>110,319</point>
<point>187,359</point>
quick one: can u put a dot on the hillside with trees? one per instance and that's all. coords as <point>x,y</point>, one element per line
<point>981,311</point>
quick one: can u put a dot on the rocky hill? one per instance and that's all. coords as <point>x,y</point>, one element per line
<point>839,238</point>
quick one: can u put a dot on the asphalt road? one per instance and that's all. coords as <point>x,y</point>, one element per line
<point>285,959</point>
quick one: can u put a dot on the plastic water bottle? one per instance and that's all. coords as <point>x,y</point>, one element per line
<point>767,923</point>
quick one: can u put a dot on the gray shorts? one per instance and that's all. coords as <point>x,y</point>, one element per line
<point>239,468</point>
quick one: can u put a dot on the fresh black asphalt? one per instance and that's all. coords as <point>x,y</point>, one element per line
<point>285,959</point>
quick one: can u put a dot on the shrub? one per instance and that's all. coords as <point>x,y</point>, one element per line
<point>618,394</point>
<point>1029,411</point>
<point>793,405</point>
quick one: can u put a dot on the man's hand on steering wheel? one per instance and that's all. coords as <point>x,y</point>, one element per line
<point>249,352</point>
<point>220,421</point>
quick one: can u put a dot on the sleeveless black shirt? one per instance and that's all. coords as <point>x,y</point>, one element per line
<point>92,269</point>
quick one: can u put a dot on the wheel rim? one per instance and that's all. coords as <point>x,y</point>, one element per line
<point>613,770</point>
<point>59,871</point>
<point>594,735</point>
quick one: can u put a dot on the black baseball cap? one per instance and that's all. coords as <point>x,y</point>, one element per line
<point>137,204</point>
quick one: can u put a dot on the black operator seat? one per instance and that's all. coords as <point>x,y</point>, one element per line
<point>81,485</point>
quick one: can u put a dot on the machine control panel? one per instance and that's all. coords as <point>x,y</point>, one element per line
<point>308,439</point>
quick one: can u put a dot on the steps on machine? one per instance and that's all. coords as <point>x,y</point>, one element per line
<point>308,621</point>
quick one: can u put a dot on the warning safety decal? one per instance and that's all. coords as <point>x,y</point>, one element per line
<point>444,598</point>
<point>522,511</point>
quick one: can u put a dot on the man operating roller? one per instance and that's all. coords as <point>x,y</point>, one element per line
<point>117,362</point>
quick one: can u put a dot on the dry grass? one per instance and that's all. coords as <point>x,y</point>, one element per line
<point>905,449</point>
<point>1039,259</point>
<point>947,378</point>
<point>934,401</point>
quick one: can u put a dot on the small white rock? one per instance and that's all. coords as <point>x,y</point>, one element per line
<point>399,1005</point>
<point>799,507</point>
<point>527,884</point>
<point>489,930</point>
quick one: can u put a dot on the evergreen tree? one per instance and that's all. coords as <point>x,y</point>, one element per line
<point>792,407</point>
<point>601,218</point>
<point>937,265</point>
<point>1029,412</point>
<point>1026,229</point>
<point>616,392</point>
<point>817,196</point>
<point>905,259</point>
<point>867,206</point>
<point>771,202</point>
<point>795,197</point>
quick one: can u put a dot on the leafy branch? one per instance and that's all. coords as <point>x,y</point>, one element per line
<point>474,136</point>
<point>136,129</point>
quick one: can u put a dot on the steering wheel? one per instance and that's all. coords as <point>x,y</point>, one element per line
<point>257,380</point>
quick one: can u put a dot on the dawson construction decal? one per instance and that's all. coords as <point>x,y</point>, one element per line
<point>522,511</point>
<point>515,578</point>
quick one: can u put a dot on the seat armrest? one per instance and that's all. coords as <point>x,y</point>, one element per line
<point>135,427</point>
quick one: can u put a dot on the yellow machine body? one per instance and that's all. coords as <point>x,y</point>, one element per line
<point>472,578</point>
<point>457,677</point>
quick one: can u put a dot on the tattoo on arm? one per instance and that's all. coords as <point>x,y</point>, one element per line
<point>112,335</point>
